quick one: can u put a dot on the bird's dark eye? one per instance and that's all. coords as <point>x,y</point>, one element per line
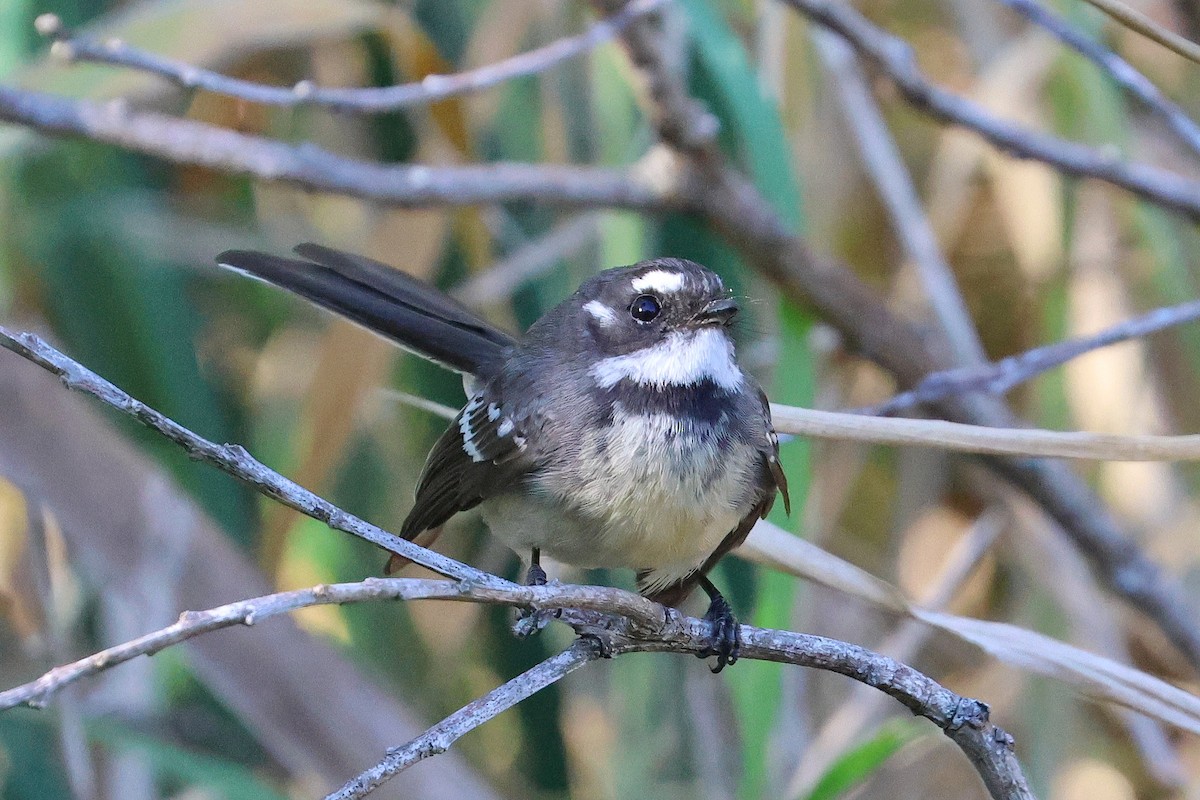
<point>645,308</point>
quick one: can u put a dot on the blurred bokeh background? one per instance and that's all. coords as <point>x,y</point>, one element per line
<point>106,531</point>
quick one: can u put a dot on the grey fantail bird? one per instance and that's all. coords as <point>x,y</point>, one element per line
<point>618,431</point>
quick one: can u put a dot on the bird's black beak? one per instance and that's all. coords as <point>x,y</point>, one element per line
<point>717,312</point>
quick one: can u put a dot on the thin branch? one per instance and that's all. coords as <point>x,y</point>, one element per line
<point>1137,21</point>
<point>1117,68</point>
<point>624,622</point>
<point>895,57</point>
<point>374,100</point>
<point>1000,377</point>
<point>438,738</point>
<point>183,141</point>
<point>234,460</point>
<point>637,610</point>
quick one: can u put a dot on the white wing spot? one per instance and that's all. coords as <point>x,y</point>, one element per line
<point>468,435</point>
<point>658,280</point>
<point>505,428</point>
<point>493,412</point>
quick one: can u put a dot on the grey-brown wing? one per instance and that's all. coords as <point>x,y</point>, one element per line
<point>481,453</point>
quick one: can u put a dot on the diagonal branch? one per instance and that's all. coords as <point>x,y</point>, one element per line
<point>1135,20</point>
<point>1117,68</point>
<point>374,100</point>
<point>881,156</point>
<point>1002,376</point>
<point>896,59</point>
<point>234,460</point>
<point>437,739</point>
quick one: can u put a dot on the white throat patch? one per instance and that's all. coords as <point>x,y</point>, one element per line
<point>684,358</point>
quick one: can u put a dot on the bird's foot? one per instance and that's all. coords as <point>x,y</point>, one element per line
<point>600,641</point>
<point>536,576</point>
<point>531,620</point>
<point>726,641</point>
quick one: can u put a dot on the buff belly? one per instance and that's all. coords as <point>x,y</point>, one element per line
<point>658,493</point>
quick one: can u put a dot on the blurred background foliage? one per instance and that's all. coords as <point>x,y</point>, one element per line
<point>112,254</point>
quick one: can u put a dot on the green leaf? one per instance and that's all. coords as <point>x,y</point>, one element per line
<point>751,128</point>
<point>857,765</point>
<point>228,779</point>
<point>30,765</point>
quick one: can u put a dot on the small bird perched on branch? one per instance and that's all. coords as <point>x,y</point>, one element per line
<point>619,431</point>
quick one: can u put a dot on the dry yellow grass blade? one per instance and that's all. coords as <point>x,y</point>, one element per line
<point>1090,674</point>
<point>976,439</point>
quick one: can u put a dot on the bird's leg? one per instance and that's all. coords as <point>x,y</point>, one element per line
<point>530,620</point>
<point>536,576</point>
<point>726,633</point>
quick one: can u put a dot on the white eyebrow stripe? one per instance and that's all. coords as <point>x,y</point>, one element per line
<point>658,280</point>
<point>682,359</point>
<point>603,314</point>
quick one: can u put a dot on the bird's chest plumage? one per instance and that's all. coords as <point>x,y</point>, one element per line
<point>666,487</point>
<point>659,484</point>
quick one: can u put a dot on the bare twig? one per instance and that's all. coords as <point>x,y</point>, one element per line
<point>1000,377</point>
<point>438,738</point>
<point>1117,68</point>
<point>183,141</point>
<point>235,460</point>
<point>375,100</point>
<point>965,721</point>
<point>1136,20</point>
<point>623,621</point>
<point>895,57</point>
<point>632,607</point>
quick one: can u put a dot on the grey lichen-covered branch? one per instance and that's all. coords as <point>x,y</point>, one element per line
<point>234,460</point>
<point>611,622</point>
